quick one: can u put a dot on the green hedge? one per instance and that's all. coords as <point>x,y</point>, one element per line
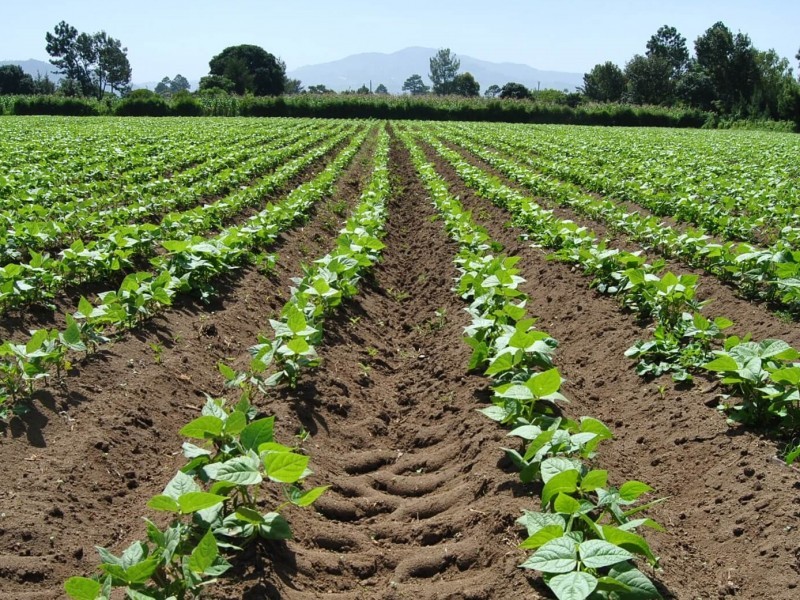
<point>142,103</point>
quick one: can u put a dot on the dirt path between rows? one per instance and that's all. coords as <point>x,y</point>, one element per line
<point>733,514</point>
<point>422,503</point>
<point>81,465</point>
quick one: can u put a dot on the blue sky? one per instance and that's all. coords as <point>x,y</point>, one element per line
<point>167,37</point>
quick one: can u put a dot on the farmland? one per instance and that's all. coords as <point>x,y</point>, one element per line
<point>447,349</point>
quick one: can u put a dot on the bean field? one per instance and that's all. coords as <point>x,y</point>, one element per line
<point>319,358</point>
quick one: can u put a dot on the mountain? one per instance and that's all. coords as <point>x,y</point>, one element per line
<point>35,67</point>
<point>393,69</point>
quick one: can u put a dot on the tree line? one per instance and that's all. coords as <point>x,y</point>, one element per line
<point>725,74</point>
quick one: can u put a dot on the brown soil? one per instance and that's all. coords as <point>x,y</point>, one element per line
<point>733,513</point>
<point>423,502</point>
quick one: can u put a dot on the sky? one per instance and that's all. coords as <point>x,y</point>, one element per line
<point>167,37</point>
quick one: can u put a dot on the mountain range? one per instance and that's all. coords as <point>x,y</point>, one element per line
<point>391,70</point>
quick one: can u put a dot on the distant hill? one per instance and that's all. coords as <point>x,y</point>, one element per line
<point>393,69</point>
<point>35,67</point>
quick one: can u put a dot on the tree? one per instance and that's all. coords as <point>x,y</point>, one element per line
<point>363,89</point>
<point>43,86</point>
<point>163,87</point>
<point>695,88</point>
<point>250,69</point>
<point>649,80</point>
<point>95,62</point>
<point>381,89</point>
<point>670,45</point>
<point>493,91</point>
<point>604,83</point>
<point>516,91</point>
<point>319,89</point>
<point>13,80</point>
<point>464,84</point>
<point>179,84</point>
<point>415,86</point>
<point>113,68</point>
<point>444,67</point>
<point>730,63</point>
<point>216,82</point>
<point>292,86</point>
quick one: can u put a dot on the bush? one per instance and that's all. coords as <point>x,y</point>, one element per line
<point>142,103</point>
<point>186,105</point>
<point>57,105</point>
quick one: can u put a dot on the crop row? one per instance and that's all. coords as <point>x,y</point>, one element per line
<point>772,274</point>
<point>149,201</point>
<point>215,498</point>
<point>715,183</point>
<point>583,535</point>
<point>118,249</point>
<point>762,378</point>
<point>190,266</point>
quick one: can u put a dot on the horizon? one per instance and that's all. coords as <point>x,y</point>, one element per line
<point>181,37</point>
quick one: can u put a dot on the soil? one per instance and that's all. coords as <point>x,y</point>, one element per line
<point>422,503</point>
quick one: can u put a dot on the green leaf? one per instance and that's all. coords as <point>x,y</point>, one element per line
<point>82,588</point>
<point>556,556</point>
<point>565,504</point>
<point>641,587</point>
<point>593,480</point>
<point>309,497</point>
<point>242,470</point>
<point>558,464</point>
<point>541,537</point>
<point>629,541</point>
<point>204,554</point>
<point>162,502</point>
<point>566,482</point>
<point>180,484</point>
<point>275,527</point>
<point>631,490</point>
<point>194,501</point>
<point>257,433</point>
<point>203,428</point>
<point>285,467</point>
<point>501,363</point>
<point>577,585</point>
<point>546,383</point>
<point>235,423</point>
<point>228,373</point>
<point>71,336</point>
<point>141,572</point>
<point>722,363</point>
<point>296,321</point>
<point>597,554</point>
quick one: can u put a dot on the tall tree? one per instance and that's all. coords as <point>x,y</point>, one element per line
<point>604,83</point>
<point>292,86</point>
<point>517,91</point>
<point>250,69</point>
<point>444,67</point>
<point>179,84</point>
<point>493,91</point>
<point>94,62</point>
<point>415,86</point>
<point>13,80</point>
<point>163,87</point>
<point>649,80</point>
<point>381,89</point>
<point>464,84</point>
<point>730,62</point>
<point>669,45</point>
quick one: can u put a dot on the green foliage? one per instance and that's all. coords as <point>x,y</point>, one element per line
<point>515,91</point>
<point>216,506</point>
<point>464,84</point>
<point>250,69</point>
<point>13,80</point>
<point>415,86</point>
<point>604,83</point>
<point>444,67</point>
<point>94,61</point>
